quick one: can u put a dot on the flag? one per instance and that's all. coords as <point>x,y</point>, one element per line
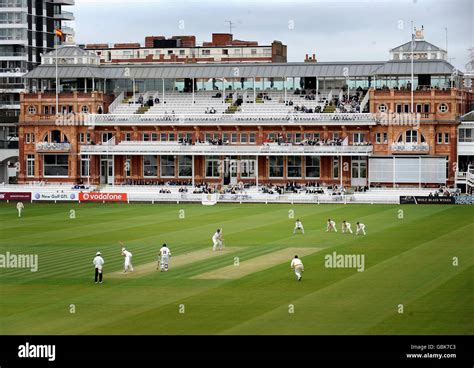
<point>58,33</point>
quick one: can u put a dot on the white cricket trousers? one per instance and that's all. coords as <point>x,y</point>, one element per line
<point>298,228</point>
<point>347,229</point>
<point>128,265</point>
<point>360,230</point>
<point>164,263</point>
<point>217,244</point>
<point>298,271</point>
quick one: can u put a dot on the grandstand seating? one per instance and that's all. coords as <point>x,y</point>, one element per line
<point>237,102</point>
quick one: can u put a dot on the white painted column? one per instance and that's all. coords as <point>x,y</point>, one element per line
<point>256,171</point>
<point>341,169</point>
<point>193,90</point>
<point>317,90</point>
<point>192,170</point>
<point>223,90</point>
<point>254,91</point>
<point>133,88</point>
<point>163,89</point>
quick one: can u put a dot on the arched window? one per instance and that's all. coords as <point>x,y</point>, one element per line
<point>411,136</point>
<point>31,110</point>
<point>85,109</point>
<point>55,136</point>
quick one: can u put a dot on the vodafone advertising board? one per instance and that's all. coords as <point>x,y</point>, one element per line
<point>102,197</point>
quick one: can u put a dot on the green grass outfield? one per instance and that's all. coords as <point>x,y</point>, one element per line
<point>408,262</point>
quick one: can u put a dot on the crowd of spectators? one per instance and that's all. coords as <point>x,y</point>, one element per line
<point>349,104</point>
<point>280,139</point>
<point>205,188</point>
<point>444,191</point>
<point>156,182</point>
<point>308,110</point>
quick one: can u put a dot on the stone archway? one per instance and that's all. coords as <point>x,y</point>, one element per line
<point>8,166</point>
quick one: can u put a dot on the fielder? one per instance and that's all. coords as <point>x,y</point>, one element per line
<point>164,258</point>
<point>99,265</point>
<point>360,228</point>
<point>19,207</point>
<point>128,260</point>
<point>298,267</point>
<point>331,225</point>
<point>298,226</point>
<point>217,240</point>
<point>346,227</point>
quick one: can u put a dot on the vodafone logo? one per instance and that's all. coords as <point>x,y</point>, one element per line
<point>103,197</point>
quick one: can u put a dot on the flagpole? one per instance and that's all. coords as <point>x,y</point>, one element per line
<point>412,57</point>
<point>57,87</point>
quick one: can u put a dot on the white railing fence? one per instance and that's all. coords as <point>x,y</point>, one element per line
<point>116,102</point>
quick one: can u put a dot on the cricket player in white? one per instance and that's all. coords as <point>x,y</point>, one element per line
<point>165,255</point>
<point>331,225</point>
<point>298,267</point>
<point>346,227</point>
<point>360,228</point>
<point>298,226</point>
<point>128,260</point>
<point>98,265</point>
<point>19,207</point>
<point>217,240</point>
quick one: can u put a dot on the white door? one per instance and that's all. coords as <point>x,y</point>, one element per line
<point>359,171</point>
<point>110,171</point>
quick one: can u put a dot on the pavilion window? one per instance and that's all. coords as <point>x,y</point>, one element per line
<point>150,166</point>
<point>55,165</point>
<point>30,165</point>
<point>275,166</point>
<point>185,169</point>
<point>247,166</point>
<point>312,166</point>
<point>335,168</point>
<point>167,166</point>
<point>294,167</point>
<point>212,167</point>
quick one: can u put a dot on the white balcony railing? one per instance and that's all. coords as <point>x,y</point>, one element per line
<point>410,147</point>
<point>53,147</point>
<point>175,148</point>
<point>231,119</point>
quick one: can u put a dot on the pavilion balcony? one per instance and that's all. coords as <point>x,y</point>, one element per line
<point>410,148</point>
<point>46,147</point>
<point>231,119</point>
<point>176,148</point>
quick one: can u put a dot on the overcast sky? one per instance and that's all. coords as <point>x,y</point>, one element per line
<point>334,30</point>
